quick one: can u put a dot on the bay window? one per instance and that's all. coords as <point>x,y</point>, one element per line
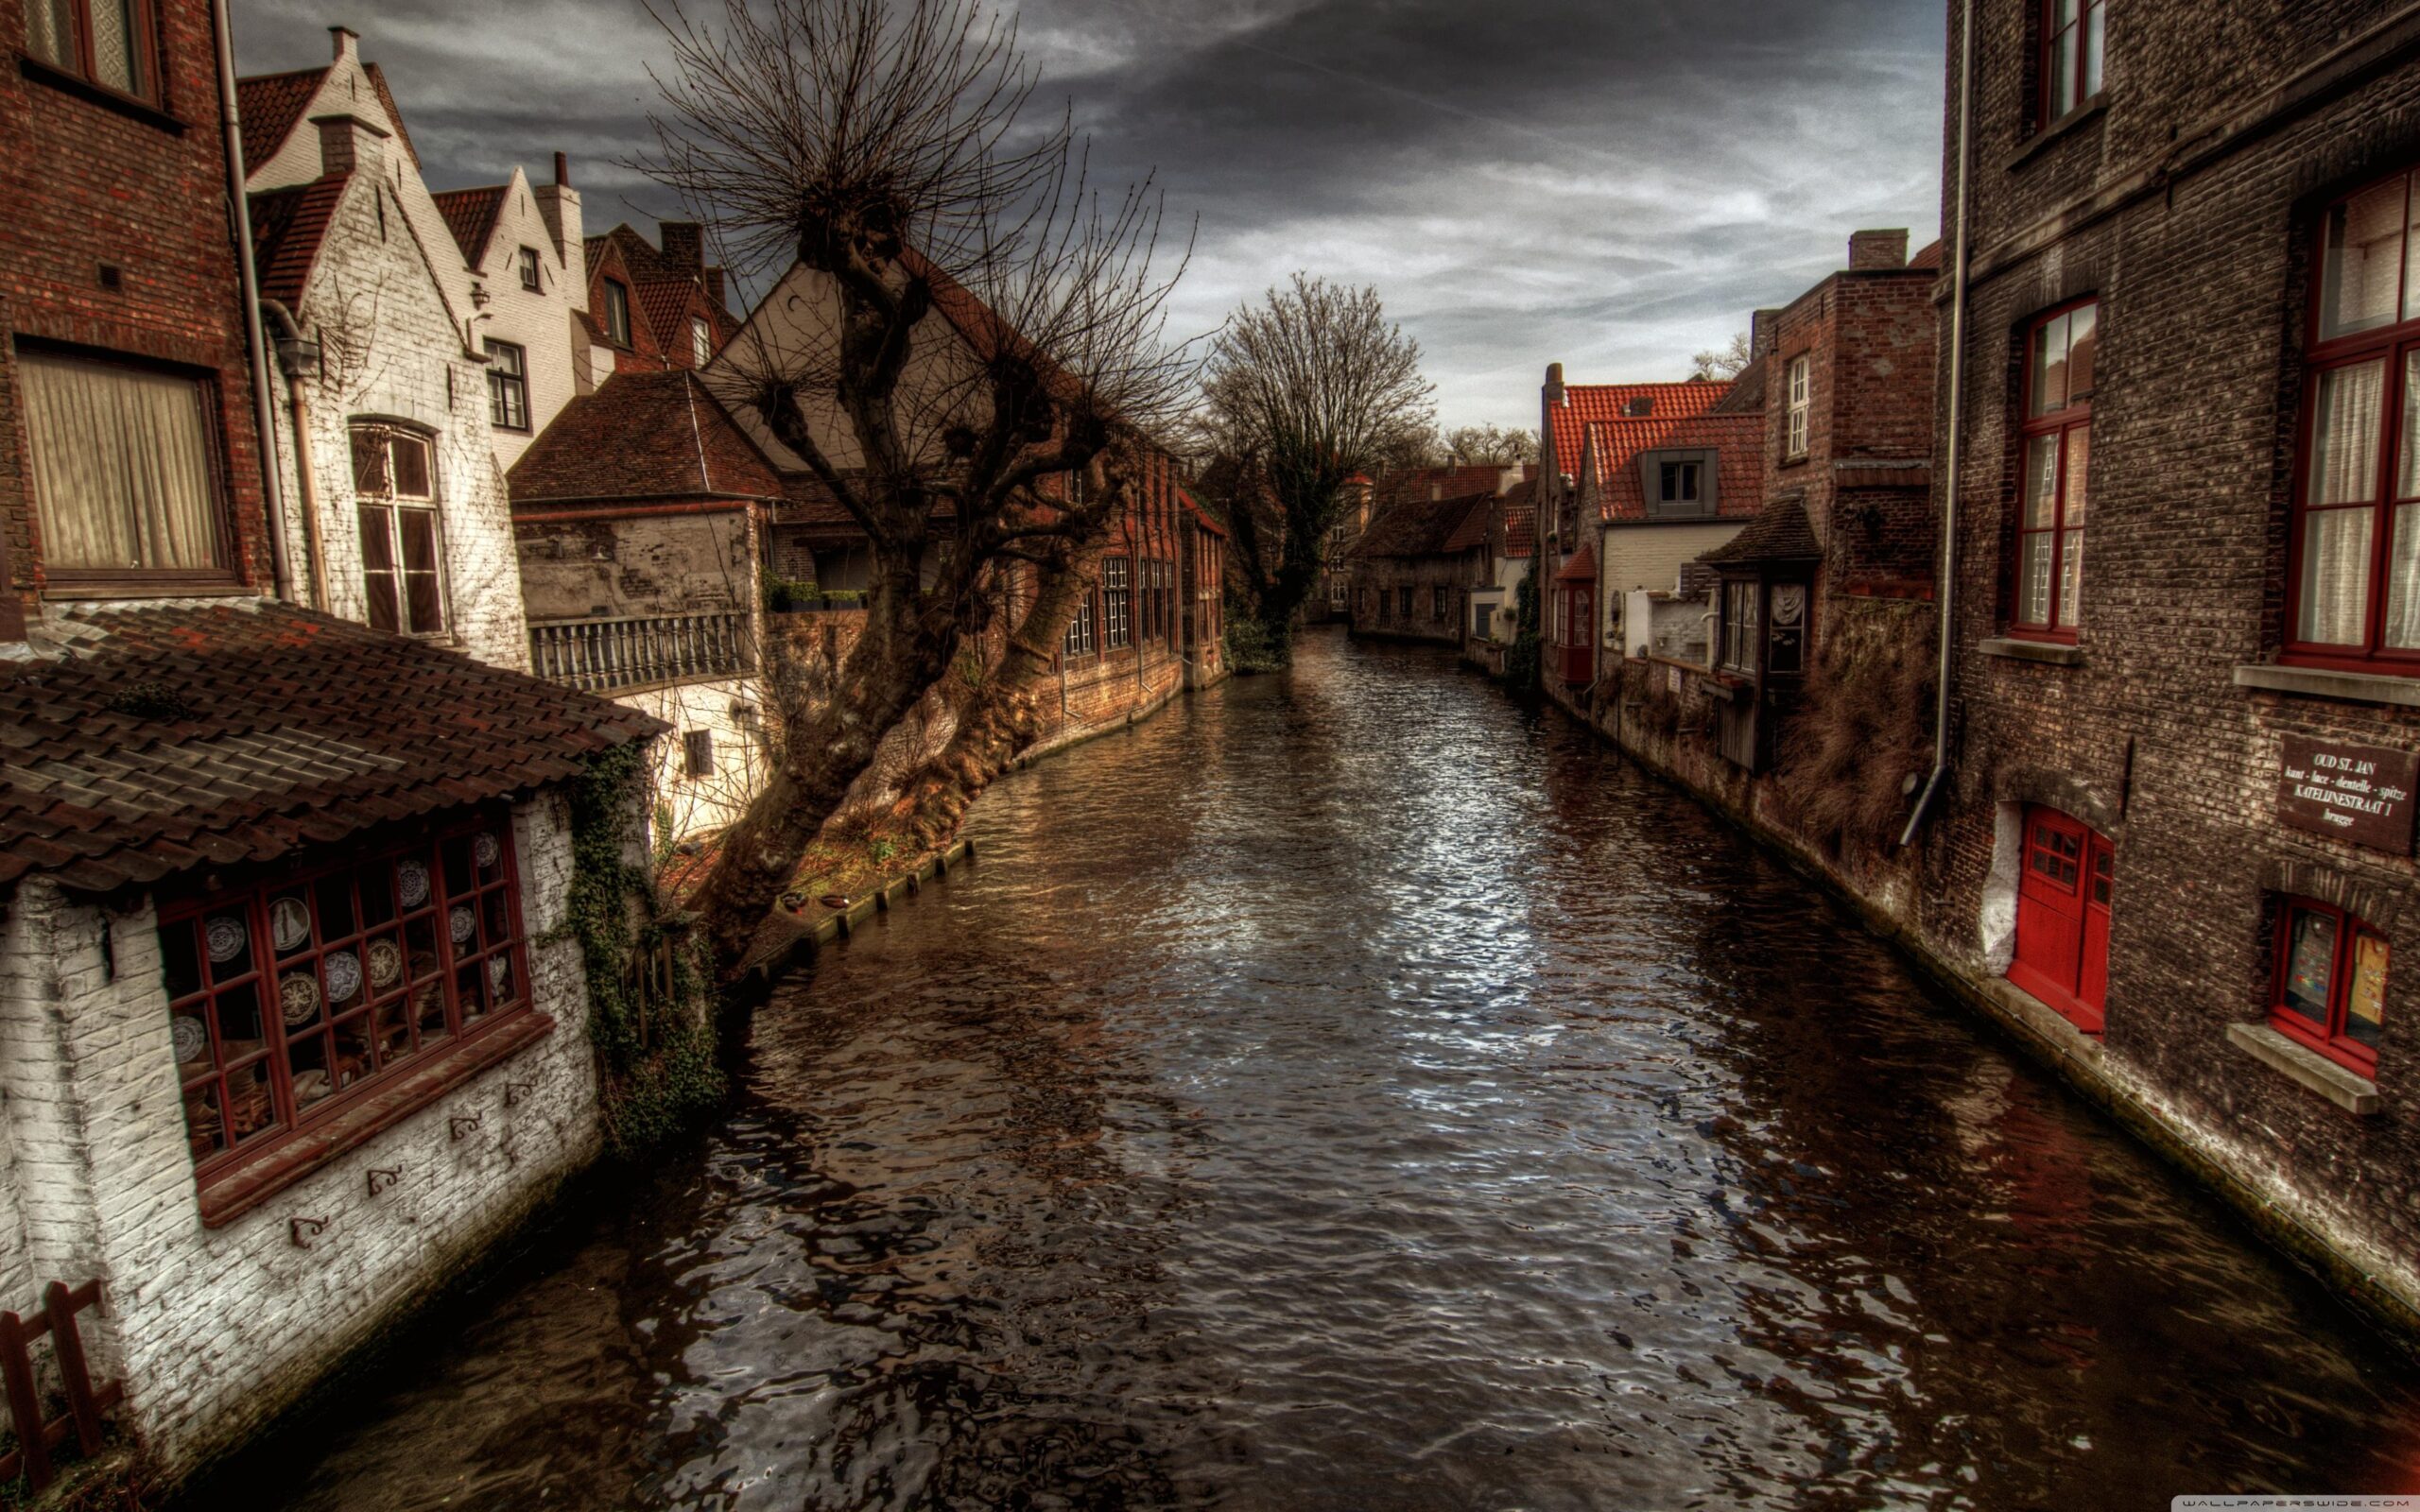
<point>2072,42</point>
<point>395,495</point>
<point>2354,585</point>
<point>125,478</point>
<point>291,999</point>
<point>2056,450</point>
<point>2331,990</point>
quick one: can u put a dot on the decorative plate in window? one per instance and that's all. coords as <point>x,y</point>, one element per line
<point>385,964</point>
<point>298,996</point>
<point>411,883</point>
<point>461,922</point>
<point>193,1040</point>
<point>289,924</point>
<point>499,971</point>
<point>485,850</point>
<point>226,936</point>
<point>344,975</point>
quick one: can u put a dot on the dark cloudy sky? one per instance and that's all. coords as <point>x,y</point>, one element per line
<point>1610,183</point>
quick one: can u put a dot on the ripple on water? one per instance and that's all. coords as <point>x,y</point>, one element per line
<point>1353,1091</point>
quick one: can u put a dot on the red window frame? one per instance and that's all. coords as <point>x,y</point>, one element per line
<point>2392,347</point>
<point>2064,435</point>
<point>141,42</point>
<point>397,1024</point>
<point>2074,56</point>
<point>2348,935</point>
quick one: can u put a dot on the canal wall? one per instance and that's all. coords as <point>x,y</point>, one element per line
<point>1665,716</point>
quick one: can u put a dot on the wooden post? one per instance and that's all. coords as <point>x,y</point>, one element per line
<point>61,1304</point>
<point>25,1406</point>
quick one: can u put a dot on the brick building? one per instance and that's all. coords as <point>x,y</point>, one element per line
<point>1415,568</point>
<point>289,1026</point>
<point>2174,844</point>
<point>650,308</point>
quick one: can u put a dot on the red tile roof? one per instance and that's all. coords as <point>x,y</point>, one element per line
<point>1202,516</point>
<point>1422,483</point>
<point>1585,404</point>
<point>1737,442</point>
<point>643,435</point>
<point>288,228</point>
<point>269,104</point>
<point>177,736</point>
<point>1521,520</point>
<point>1780,532</point>
<point>471,215</point>
<point>1582,568</point>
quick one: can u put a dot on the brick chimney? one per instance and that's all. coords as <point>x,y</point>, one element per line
<point>559,207</point>
<point>349,143</point>
<point>1554,384</point>
<point>684,245</point>
<point>1877,248</point>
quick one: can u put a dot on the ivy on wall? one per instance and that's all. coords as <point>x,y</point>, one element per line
<point>650,1007</point>
<point>1521,658</point>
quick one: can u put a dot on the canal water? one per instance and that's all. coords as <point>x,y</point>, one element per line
<point>1353,1091</point>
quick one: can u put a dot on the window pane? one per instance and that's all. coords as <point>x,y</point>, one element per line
<point>2084,349</point>
<point>2061,65</point>
<point>2335,578</point>
<point>2093,19</point>
<point>2051,366</point>
<point>412,466</point>
<point>50,31</point>
<point>2071,506</point>
<point>2041,483</point>
<point>2310,964</point>
<point>2363,268</point>
<point>2070,575</point>
<point>2344,434</point>
<point>2403,581</point>
<point>2034,579</point>
<point>116,61</point>
<point>121,466</point>
<point>378,569</point>
<point>2365,1003</point>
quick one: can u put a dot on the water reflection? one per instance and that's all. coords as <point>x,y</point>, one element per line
<point>1354,1091</point>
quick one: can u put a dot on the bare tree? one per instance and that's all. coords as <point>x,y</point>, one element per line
<point>1500,444</point>
<point>1312,386</point>
<point>957,324</point>
<point>1723,362</point>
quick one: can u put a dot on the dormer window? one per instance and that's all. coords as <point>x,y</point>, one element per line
<point>529,264</point>
<point>1679,485</point>
<point>104,42</point>
<point>617,313</point>
<point>702,340</point>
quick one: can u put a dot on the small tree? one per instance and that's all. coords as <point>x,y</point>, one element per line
<point>1309,386</point>
<point>1722,361</point>
<point>956,327</point>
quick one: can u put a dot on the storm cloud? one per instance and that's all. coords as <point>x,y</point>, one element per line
<point>1610,185</point>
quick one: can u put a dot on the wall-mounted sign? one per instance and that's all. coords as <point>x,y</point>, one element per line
<point>2362,794</point>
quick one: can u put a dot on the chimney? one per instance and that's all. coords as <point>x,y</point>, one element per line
<point>684,245</point>
<point>1878,250</point>
<point>347,39</point>
<point>1554,385</point>
<point>714,288</point>
<point>1764,334</point>
<point>348,144</point>
<point>559,207</point>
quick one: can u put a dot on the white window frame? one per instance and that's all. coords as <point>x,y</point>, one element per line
<point>1801,399</point>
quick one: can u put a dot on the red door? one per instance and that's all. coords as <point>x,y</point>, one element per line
<point>2063,918</point>
<point>1580,624</point>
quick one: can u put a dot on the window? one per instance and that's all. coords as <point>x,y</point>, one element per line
<point>1679,484</point>
<point>1403,603</point>
<point>528,262</point>
<point>1786,629</point>
<point>698,753</point>
<point>617,313</point>
<point>1081,631</point>
<point>1439,606</point>
<point>1117,602</point>
<point>2353,589</point>
<point>2071,44</point>
<point>2055,450</point>
<point>2330,991</point>
<point>1802,391</point>
<point>507,386</point>
<point>397,501</point>
<point>124,476</point>
<point>2063,894</point>
<point>1740,627</point>
<point>702,340</point>
<point>290,999</point>
<point>107,42</point>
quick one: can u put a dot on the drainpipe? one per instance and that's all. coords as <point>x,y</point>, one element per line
<point>264,402</point>
<point>294,353</point>
<point>1948,597</point>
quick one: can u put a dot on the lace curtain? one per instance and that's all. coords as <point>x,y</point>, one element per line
<point>121,466</point>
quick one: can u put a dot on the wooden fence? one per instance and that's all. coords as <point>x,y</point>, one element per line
<point>36,1433</point>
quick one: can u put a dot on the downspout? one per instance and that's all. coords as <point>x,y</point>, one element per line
<point>1945,619</point>
<point>239,202</point>
<point>289,333</point>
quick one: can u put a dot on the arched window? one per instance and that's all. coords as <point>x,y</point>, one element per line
<point>394,486</point>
